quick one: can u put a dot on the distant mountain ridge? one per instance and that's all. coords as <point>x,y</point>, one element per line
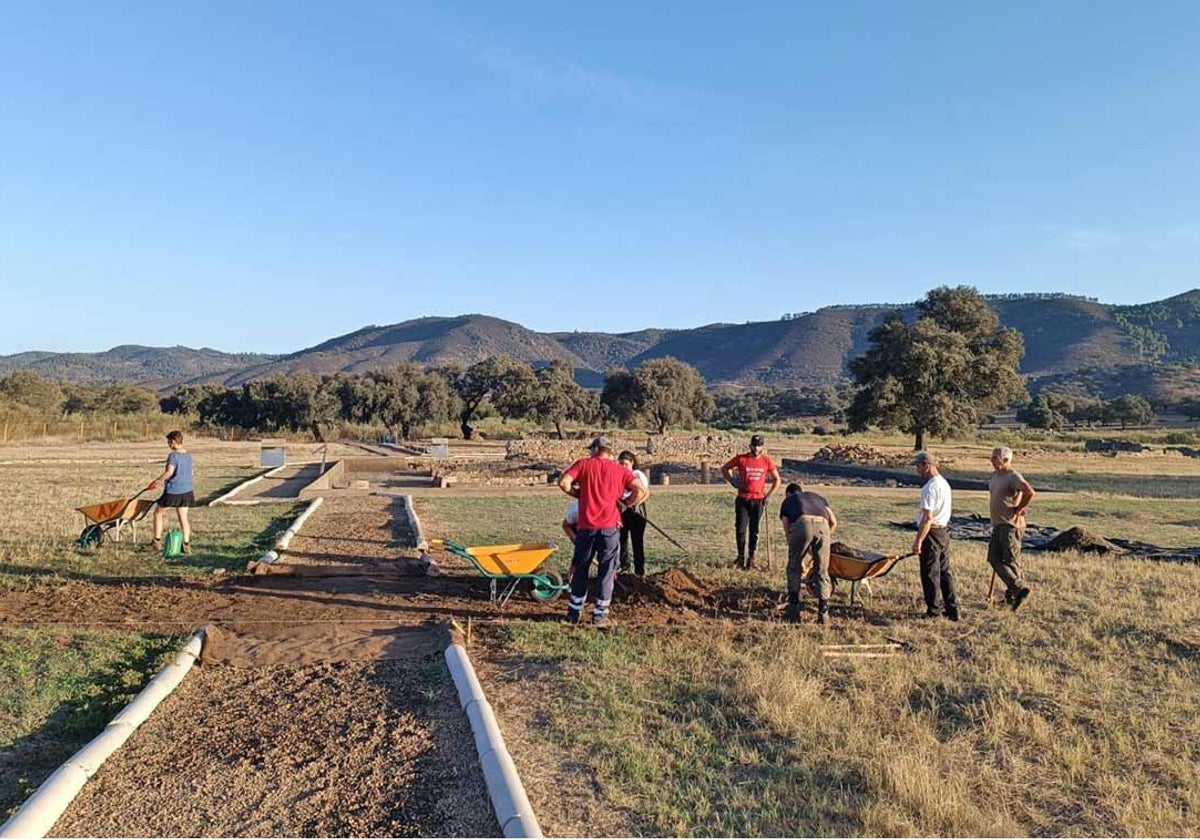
<point>1064,335</point>
<point>154,367</point>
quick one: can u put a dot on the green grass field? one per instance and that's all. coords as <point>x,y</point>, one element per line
<point>60,688</point>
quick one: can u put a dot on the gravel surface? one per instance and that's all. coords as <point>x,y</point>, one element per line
<point>352,749</point>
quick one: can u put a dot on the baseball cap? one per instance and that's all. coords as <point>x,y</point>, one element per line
<point>757,440</point>
<point>925,458</point>
<point>600,442</point>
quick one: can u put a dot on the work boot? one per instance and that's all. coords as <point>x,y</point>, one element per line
<point>792,613</point>
<point>1020,597</point>
<point>187,548</point>
<point>822,612</point>
<point>750,562</point>
<point>572,616</point>
<point>155,546</point>
<point>740,562</point>
<point>602,622</point>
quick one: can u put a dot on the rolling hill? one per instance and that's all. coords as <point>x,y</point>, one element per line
<point>1069,342</point>
<point>151,366</point>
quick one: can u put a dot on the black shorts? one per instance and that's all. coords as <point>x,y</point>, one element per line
<point>177,500</point>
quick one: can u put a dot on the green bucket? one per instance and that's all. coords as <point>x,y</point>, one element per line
<point>173,545</point>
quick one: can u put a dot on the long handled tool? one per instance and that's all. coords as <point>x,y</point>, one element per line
<point>670,539</point>
<point>991,588</point>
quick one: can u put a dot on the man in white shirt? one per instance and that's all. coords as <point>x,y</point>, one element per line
<point>932,543</point>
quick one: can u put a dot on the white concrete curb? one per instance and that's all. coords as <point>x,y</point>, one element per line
<point>513,811</point>
<point>245,484</point>
<point>42,810</point>
<point>285,539</point>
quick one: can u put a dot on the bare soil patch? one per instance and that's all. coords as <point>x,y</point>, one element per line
<point>349,749</point>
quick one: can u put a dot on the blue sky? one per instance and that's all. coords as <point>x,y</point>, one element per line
<point>263,176</point>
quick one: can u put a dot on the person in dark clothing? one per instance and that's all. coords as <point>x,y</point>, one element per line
<point>932,543</point>
<point>633,519</point>
<point>808,521</point>
<point>752,469</point>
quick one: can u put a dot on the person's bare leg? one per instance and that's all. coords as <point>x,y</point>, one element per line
<point>158,523</point>
<point>186,526</point>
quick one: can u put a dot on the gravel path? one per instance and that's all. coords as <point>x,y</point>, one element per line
<point>352,749</point>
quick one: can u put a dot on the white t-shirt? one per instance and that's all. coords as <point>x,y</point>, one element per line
<point>935,496</point>
<point>572,516</point>
<point>640,476</point>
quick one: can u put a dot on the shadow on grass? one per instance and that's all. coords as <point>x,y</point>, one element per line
<point>28,760</point>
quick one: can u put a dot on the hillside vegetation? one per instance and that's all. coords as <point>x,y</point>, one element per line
<point>1064,335</point>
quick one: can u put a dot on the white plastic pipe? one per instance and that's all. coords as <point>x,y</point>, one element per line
<point>285,539</point>
<point>414,524</point>
<point>513,811</point>
<point>42,810</point>
<point>244,485</point>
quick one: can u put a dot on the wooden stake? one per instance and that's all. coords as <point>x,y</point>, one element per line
<point>991,588</point>
<point>6,432</point>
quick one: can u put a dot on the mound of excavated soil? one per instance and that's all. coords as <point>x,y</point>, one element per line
<point>676,588</point>
<point>1080,539</point>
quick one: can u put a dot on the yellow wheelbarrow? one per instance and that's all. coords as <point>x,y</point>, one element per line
<point>508,566</point>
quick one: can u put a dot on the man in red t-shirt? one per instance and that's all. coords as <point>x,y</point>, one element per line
<point>598,482</point>
<point>753,468</point>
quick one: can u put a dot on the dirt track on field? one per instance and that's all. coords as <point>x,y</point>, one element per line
<point>322,705</point>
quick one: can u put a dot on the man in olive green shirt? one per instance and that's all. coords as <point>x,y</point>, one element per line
<point>1010,497</point>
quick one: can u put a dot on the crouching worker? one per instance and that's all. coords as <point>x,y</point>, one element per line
<point>178,492</point>
<point>598,482</point>
<point>808,521</point>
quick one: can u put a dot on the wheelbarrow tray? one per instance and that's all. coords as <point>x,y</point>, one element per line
<point>510,560</point>
<point>861,565</point>
<point>857,567</point>
<point>129,510</point>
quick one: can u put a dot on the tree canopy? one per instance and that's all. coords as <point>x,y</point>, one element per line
<point>938,375</point>
<point>666,391</point>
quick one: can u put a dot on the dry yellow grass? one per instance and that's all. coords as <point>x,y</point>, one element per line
<point>1073,716</point>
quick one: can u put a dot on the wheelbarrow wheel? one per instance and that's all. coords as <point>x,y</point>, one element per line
<point>90,537</point>
<point>547,586</point>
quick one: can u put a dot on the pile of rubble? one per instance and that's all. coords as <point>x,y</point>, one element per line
<point>860,454</point>
<point>650,449</point>
<point>500,475</point>
<point>1113,446</point>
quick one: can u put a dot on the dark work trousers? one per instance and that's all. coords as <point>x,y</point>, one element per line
<point>633,526</point>
<point>937,581</point>
<point>604,543</point>
<point>748,513</point>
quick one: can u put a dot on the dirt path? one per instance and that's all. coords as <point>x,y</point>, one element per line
<point>352,749</point>
<point>322,705</point>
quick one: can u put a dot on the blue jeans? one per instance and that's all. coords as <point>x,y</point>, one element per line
<point>606,544</point>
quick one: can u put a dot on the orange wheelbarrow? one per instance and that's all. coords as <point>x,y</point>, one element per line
<point>112,516</point>
<point>508,566</point>
<point>858,568</point>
